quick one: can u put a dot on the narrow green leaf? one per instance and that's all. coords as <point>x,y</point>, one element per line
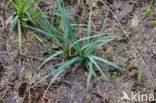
<point>54,78</point>
<point>62,67</point>
<point>93,71</point>
<point>78,25</point>
<point>19,36</point>
<point>92,44</point>
<point>103,74</point>
<point>89,23</point>
<point>90,64</point>
<point>44,45</point>
<point>140,73</point>
<point>66,39</point>
<point>38,38</point>
<point>67,26</point>
<point>104,26</point>
<point>59,64</point>
<point>48,59</point>
<point>29,17</point>
<point>107,62</point>
<point>52,17</point>
<point>38,14</point>
<point>24,6</point>
<point>19,6</point>
<point>107,41</point>
<point>33,4</point>
<point>104,66</point>
<point>77,66</point>
<point>47,76</point>
<point>58,21</point>
<point>86,38</point>
<point>93,49</point>
<point>66,22</point>
<point>44,32</point>
<point>13,24</point>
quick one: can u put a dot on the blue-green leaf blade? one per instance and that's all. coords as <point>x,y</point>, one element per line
<point>48,59</point>
<point>90,64</point>
<point>109,63</point>
<point>103,74</point>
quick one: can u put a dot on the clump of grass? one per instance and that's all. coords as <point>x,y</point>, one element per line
<point>23,16</point>
<point>75,51</point>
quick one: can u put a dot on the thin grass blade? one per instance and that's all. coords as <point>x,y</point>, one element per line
<point>103,74</point>
<point>20,36</point>
<point>57,65</point>
<point>62,67</point>
<point>48,59</point>
<point>13,24</point>
<point>86,38</point>
<point>53,79</point>
<point>104,66</point>
<point>91,44</point>
<point>67,26</point>
<point>25,5</point>
<point>53,16</point>
<point>33,4</point>
<point>89,23</point>
<point>76,66</point>
<point>38,14</point>
<point>19,6</point>
<point>66,22</point>
<point>49,34</point>
<point>47,76</point>
<point>44,45</point>
<point>29,17</point>
<point>90,64</point>
<point>109,63</point>
<point>94,47</point>
<point>104,26</point>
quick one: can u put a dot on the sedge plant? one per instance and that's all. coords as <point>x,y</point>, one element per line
<point>75,52</point>
<point>24,14</point>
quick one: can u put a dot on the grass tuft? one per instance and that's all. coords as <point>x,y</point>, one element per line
<point>23,16</point>
<point>72,50</point>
